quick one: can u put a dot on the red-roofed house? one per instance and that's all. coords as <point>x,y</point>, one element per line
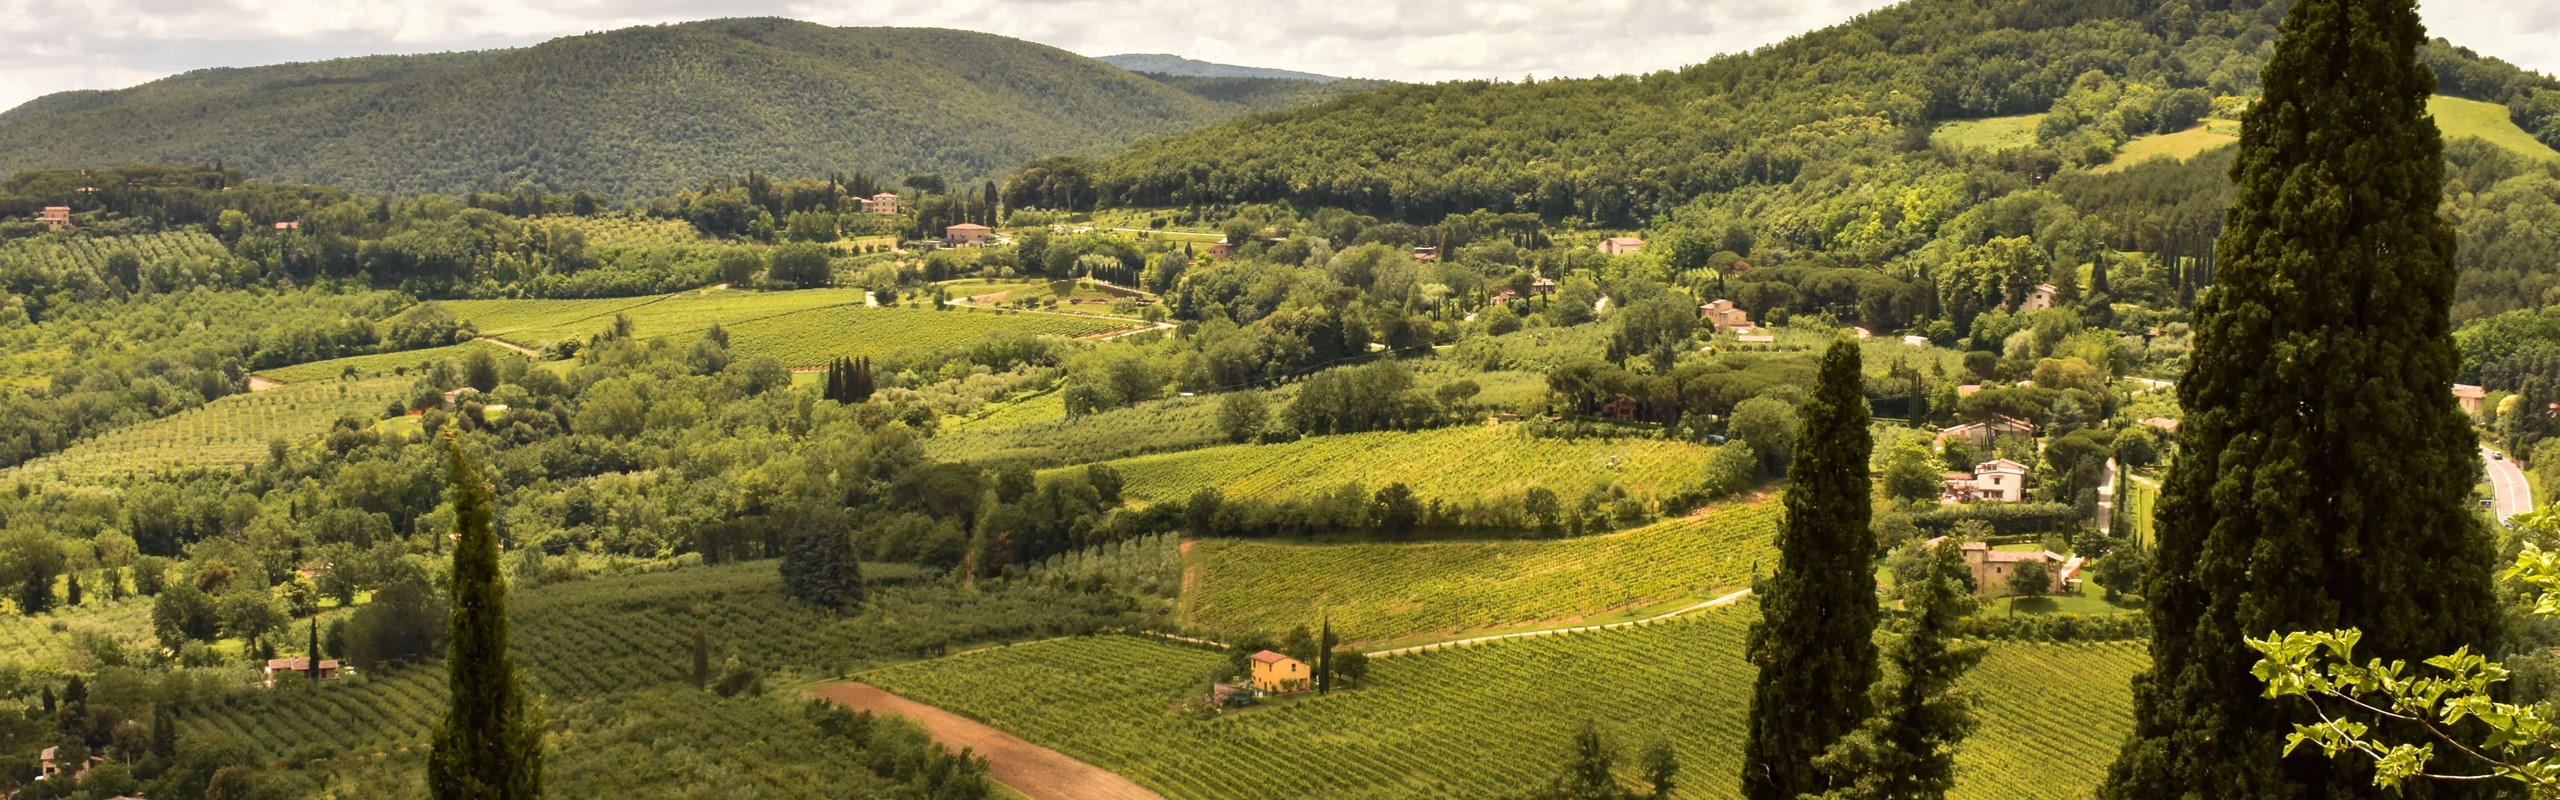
<point>299,667</point>
<point>1274,673</point>
<point>966,233</point>
<point>1621,245</point>
<point>2470,397</point>
<point>1725,316</point>
<point>55,217</point>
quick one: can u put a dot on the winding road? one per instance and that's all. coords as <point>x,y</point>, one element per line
<point>2506,481</point>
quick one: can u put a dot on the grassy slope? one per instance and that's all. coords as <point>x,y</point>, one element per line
<point>1465,463</point>
<point>1487,720</point>
<point>2460,118</point>
<point>1393,592</point>
<point>801,328</point>
<point>1993,133</point>
<point>231,431</point>
<point>2456,117</point>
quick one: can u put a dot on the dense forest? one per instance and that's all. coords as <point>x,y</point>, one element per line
<point>640,110</point>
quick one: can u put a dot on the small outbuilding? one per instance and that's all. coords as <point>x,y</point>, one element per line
<point>299,667</point>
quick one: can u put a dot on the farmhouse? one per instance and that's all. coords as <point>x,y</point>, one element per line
<point>49,764</point>
<point>1222,250</point>
<point>882,203</point>
<point>1426,253</point>
<point>2470,397</point>
<point>1995,481</point>
<point>1542,286</point>
<point>1986,432</point>
<point>1725,316</point>
<point>1502,297</point>
<point>1992,568</point>
<point>966,233</point>
<point>2039,299</point>
<point>299,666</point>
<point>1274,673</point>
<point>1621,409</point>
<point>55,217</point>
<point>293,225</point>
<point>1621,245</point>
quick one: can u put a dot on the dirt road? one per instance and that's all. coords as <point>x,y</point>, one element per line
<point>1040,772</point>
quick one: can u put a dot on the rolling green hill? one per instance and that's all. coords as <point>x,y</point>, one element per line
<point>644,109</point>
<point>1621,150</point>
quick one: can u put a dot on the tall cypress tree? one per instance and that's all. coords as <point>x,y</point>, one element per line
<point>1815,643</point>
<point>311,668</point>
<point>489,747</point>
<point>1907,750</point>
<point>2324,468</point>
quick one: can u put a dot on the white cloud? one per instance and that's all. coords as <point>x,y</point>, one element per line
<point>114,43</point>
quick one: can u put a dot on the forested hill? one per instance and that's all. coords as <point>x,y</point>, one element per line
<point>1622,150</point>
<point>1169,64</point>
<point>638,110</point>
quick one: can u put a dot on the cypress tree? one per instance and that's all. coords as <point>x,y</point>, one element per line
<point>311,668</point>
<point>488,747</point>
<point>2324,468</point>
<point>1815,643</point>
<point>701,660</point>
<point>1907,750</point>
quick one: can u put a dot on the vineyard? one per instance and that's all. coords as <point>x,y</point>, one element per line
<point>232,431</point>
<point>811,337</point>
<point>604,635</point>
<point>1386,592</point>
<point>1484,721</point>
<point>1015,413</point>
<point>1171,424</point>
<point>382,364</point>
<point>54,643</point>
<point>58,255</point>
<point>1471,463</point>
<point>800,328</point>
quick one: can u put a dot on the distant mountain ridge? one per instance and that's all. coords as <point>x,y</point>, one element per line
<point>1170,64</point>
<point>629,112</point>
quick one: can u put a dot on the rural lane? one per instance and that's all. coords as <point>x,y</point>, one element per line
<point>2507,483</point>
<point>1039,772</point>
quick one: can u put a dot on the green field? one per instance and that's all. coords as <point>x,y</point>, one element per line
<point>587,645</point>
<point>1015,413</point>
<point>381,364</point>
<point>1993,134</point>
<point>231,431</point>
<point>2178,146</point>
<point>2460,118</point>
<point>1470,463</point>
<point>810,338</point>
<point>801,328</point>
<point>1394,592</point>
<point>1487,720</point>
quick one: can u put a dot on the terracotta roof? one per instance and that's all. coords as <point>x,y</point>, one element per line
<point>2000,465</point>
<point>1269,657</point>
<point>967,226</point>
<point>2469,392</point>
<point>298,664</point>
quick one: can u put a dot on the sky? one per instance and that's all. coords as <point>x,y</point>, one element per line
<point>105,44</point>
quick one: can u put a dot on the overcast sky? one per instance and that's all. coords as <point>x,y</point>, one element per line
<point>101,44</point>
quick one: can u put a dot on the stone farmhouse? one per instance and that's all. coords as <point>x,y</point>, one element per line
<point>54,218</point>
<point>1725,316</point>
<point>1992,568</point>
<point>1987,432</point>
<point>882,203</point>
<point>1621,245</point>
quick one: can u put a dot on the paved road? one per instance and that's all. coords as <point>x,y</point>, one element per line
<point>2514,495</point>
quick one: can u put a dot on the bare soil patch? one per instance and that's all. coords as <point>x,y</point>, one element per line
<point>1039,772</point>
